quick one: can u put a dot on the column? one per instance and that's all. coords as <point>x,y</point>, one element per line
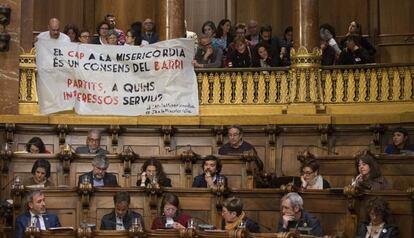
<point>171,23</point>
<point>305,23</point>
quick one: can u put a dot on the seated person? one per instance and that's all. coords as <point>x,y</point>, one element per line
<point>379,218</point>
<point>236,144</point>
<point>40,174</point>
<point>170,214</point>
<point>368,173</point>
<point>93,142</point>
<point>310,177</point>
<point>400,142</point>
<point>36,146</point>
<point>233,215</point>
<point>98,176</point>
<point>211,173</point>
<point>152,171</point>
<point>295,217</point>
<point>35,215</point>
<point>121,218</point>
<point>206,55</point>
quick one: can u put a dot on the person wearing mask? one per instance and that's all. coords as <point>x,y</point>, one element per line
<point>122,217</point>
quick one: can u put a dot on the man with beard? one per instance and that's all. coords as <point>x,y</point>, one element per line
<point>295,217</point>
<point>53,32</point>
<point>35,215</point>
<point>93,143</point>
<point>211,173</point>
<point>98,177</point>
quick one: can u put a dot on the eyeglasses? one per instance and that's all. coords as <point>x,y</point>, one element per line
<point>170,209</point>
<point>307,172</point>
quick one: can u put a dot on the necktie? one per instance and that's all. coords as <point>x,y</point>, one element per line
<point>37,221</point>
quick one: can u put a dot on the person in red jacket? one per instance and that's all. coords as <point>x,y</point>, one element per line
<point>170,215</point>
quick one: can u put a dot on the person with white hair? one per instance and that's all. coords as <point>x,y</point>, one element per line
<point>93,143</point>
<point>98,177</point>
<point>296,218</point>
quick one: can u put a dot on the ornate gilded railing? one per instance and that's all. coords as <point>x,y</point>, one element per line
<point>302,83</point>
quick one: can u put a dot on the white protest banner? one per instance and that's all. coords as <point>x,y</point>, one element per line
<point>157,79</point>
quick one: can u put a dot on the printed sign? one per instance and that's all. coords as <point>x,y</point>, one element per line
<point>156,79</point>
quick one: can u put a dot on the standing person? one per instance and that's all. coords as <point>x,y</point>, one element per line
<point>253,32</point>
<point>36,146</point>
<point>40,174</point>
<point>355,28</point>
<point>98,177</point>
<point>241,56</point>
<point>72,31</point>
<point>149,33</point>
<point>368,173</point>
<point>170,216</point>
<point>53,32</point>
<point>84,36</point>
<point>102,29</point>
<point>233,216</point>
<point>207,56</point>
<point>134,38</point>
<point>111,20</point>
<point>211,173</point>
<point>122,217</point>
<point>35,215</point>
<point>327,33</point>
<point>152,171</point>
<point>272,42</point>
<point>400,142</point>
<point>93,143</point>
<point>378,224</point>
<point>295,217</point>
<point>353,53</point>
<point>286,45</point>
<point>224,35</point>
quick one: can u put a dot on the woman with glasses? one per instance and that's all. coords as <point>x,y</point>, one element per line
<point>170,215</point>
<point>379,221</point>
<point>84,36</point>
<point>102,29</point>
<point>234,217</point>
<point>310,177</point>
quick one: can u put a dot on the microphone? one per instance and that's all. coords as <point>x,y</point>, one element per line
<point>322,148</point>
<point>177,147</point>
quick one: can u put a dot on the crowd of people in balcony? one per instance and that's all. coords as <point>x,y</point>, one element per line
<point>226,44</point>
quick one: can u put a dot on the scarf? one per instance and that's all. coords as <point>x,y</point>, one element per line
<point>318,183</point>
<point>235,224</point>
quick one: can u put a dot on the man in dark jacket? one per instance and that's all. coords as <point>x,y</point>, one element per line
<point>121,218</point>
<point>35,215</point>
<point>294,217</point>
<point>98,176</point>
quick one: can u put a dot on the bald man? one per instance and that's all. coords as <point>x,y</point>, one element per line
<point>53,32</point>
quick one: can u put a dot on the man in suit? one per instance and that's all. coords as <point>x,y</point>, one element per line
<point>149,33</point>
<point>121,218</point>
<point>35,215</point>
<point>93,143</point>
<point>211,173</point>
<point>98,176</point>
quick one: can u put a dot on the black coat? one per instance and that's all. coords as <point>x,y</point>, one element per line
<point>388,231</point>
<point>108,221</point>
<point>109,179</point>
